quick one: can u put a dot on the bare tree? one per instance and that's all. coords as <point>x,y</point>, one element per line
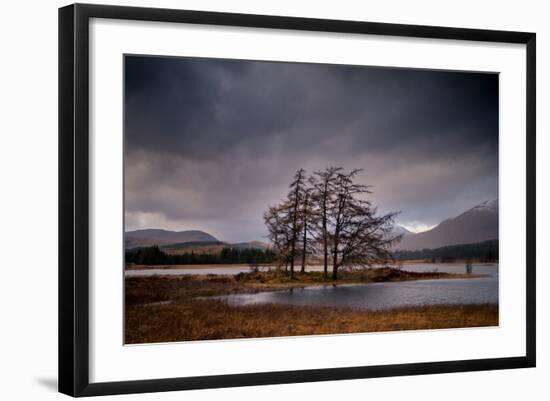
<point>330,211</point>
<point>323,183</point>
<point>307,225</point>
<point>279,233</point>
<point>359,237</point>
<point>295,197</point>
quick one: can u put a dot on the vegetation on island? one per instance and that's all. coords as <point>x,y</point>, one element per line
<point>163,287</point>
<point>327,214</point>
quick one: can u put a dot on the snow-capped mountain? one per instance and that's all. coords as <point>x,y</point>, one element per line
<point>487,206</point>
<point>480,223</point>
<point>400,230</point>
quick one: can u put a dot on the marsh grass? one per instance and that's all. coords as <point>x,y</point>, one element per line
<point>215,319</point>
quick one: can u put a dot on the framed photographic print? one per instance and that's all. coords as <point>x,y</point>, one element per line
<point>249,199</point>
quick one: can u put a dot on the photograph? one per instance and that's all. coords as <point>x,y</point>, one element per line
<point>273,199</point>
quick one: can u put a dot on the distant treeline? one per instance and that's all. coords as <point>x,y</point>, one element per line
<point>486,251</point>
<point>155,256</point>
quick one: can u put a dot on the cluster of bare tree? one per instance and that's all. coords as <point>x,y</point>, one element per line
<point>326,215</point>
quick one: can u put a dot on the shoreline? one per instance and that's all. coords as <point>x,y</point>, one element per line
<point>245,265</point>
<point>201,285</point>
<point>188,267</point>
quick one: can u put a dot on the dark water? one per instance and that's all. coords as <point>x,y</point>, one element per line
<point>389,295</point>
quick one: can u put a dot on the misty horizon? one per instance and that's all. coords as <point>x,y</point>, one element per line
<point>412,230</point>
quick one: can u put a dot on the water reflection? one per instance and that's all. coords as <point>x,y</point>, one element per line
<point>387,295</point>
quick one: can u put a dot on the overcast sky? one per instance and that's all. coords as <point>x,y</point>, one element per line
<point>209,144</point>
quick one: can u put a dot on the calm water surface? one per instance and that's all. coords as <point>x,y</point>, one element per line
<point>371,296</point>
<point>212,269</point>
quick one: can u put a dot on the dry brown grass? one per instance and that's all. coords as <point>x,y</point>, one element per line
<point>214,320</point>
<point>186,317</point>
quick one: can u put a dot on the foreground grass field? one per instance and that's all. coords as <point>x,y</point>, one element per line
<point>213,320</point>
<point>166,309</point>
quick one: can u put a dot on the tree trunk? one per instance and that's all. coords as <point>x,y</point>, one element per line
<point>336,243</point>
<point>335,263</point>
<point>294,231</point>
<point>304,250</point>
<point>292,251</point>
<point>304,247</point>
<point>325,246</point>
<point>325,239</point>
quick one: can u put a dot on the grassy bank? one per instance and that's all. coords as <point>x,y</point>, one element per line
<point>173,308</point>
<point>214,320</point>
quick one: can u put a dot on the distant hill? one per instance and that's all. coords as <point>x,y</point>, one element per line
<point>478,224</point>
<point>251,245</point>
<point>149,237</point>
<point>180,242</point>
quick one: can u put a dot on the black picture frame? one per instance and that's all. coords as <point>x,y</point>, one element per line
<point>74,198</point>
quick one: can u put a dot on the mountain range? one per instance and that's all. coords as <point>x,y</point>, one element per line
<point>477,224</point>
<point>149,237</point>
<point>182,241</point>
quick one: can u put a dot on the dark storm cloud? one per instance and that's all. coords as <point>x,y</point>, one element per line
<point>209,143</point>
